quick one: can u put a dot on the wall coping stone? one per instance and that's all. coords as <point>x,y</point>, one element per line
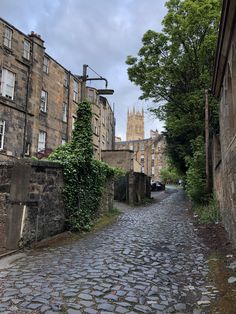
<point>33,163</point>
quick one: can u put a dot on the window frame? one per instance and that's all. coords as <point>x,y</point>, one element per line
<point>5,86</point>
<point>7,41</point>
<point>2,133</point>
<point>39,149</point>
<point>91,95</point>
<point>75,91</point>
<point>96,126</point>
<point>43,101</point>
<point>26,49</point>
<point>46,64</point>
<point>64,112</point>
<point>63,141</point>
<point>66,79</point>
<point>73,123</point>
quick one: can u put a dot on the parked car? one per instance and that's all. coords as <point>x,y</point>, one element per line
<point>158,186</point>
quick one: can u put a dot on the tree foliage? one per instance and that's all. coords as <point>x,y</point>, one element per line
<point>83,175</point>
<point>174,67</point>
<point>169,175</point>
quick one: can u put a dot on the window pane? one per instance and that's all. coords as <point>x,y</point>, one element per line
<point>66,80</point>
<point>41,141</point>
<point>7,84</point>
<point>75,91</point>
<point>44,98</point>
<point>45,64</point>
<point>26,50</point>
<point>7,37</point>
<point>64,114</point>
<point>2,133</point>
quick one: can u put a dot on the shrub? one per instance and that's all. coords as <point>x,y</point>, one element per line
<point>84,176</point>
<point>195,175</point>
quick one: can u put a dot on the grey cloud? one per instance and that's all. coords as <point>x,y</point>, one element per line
<point>100,33</point>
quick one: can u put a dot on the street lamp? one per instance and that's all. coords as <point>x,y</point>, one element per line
<point>86,78</point>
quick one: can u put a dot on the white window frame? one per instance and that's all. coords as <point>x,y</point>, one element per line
<point>75,91</point>
<point>64,112</point>
<point>153,171</point>
<point>91,95</point>
<point>45,64</point>
<point>42,141</point>
<point>43,101</point>
<point>26,49</point>
<point>66,79</point>
<point>96,130</point>
<point>7,83</point>
<point>73,122</point>
<point>63,141</point>
<point>2,133</point>
<point>7,40</point>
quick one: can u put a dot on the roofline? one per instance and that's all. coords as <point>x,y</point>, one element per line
<point>159,137</point>
<point>223,44</point>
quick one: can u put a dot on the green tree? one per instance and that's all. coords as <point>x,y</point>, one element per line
<point>174,67</point>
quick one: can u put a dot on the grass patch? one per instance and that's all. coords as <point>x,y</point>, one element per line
<point>209,213</point>
<point>106,219</point>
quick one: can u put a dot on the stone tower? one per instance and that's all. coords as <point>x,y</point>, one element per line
<point>135,125</point>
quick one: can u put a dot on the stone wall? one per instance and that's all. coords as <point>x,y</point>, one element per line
<point>225,189</point>
<point>150,153</point>
<point>224,143</point>
<point>119,158</point>
<point>133,188</point>
<point>106,202</point>
<point>31,205</point>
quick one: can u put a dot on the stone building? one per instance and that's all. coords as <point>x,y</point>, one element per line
<point>224,141</point>
<point>39,98</point>
<point>135,125</point>
<point>148,153</point>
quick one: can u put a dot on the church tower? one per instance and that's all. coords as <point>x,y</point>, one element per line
<point>135,125</point>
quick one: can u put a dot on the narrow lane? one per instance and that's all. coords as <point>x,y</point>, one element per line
<point>150,261</point>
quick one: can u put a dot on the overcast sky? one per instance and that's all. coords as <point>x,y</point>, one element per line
<point>100,33</point>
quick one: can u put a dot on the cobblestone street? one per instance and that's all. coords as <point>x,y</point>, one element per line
<point>150,261</point>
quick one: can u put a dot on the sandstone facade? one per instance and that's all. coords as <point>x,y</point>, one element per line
<point>148,153</point>
<point>224,141</point>
<point>135,125</point>
<point>39,98</point>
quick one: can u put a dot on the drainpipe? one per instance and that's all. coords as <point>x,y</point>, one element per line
<point>68,109</point>
<point>26,108</point>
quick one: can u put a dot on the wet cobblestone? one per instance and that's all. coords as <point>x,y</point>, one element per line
<point>150,261</point>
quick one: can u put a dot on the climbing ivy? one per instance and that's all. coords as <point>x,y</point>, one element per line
<point>84,176</point>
